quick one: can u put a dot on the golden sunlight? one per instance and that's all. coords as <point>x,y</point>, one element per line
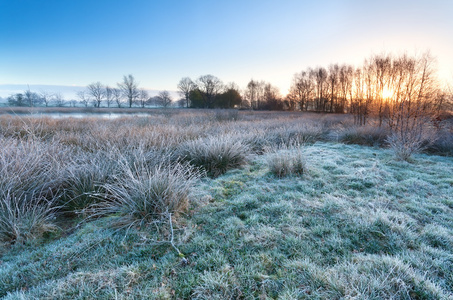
<point>387,93</point>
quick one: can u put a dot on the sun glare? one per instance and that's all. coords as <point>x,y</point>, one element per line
<point>387,93</point>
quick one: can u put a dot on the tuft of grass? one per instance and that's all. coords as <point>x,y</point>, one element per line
<point>141,197</point>
<point>24,217</point>
<point>215,154</point>
<point>286,161</point>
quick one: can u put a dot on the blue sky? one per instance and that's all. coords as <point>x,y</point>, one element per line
<point>77,42</point>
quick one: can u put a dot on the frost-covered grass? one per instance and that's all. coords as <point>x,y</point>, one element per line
<point>349,222</point>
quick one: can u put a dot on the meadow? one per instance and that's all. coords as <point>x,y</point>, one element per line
<point>222,204</point>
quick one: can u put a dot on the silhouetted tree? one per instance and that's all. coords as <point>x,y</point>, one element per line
<point>209,87</point>
<point>185,86</point>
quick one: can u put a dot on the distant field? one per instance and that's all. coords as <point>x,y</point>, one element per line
<point>220,204</point>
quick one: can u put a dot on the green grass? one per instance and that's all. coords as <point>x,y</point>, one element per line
<point>358,224</point>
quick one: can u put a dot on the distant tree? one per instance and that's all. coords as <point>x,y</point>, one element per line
<point>117,96</point>
<point>30,97</point>
<point>96,90</point>
<point>251,93</point>
<point>142,97</point>
<point>108,95</point>
<point>185,86</point>
<point>130,89</point>
<point>164,99</point>
<point>230,98</point>
<point>16,100</point>
<point>271,98</point>
<point>58,100</point>
<point>73,102</point>
<point>181,102</point>
<point>84,99</point>
<point>209,87</point>
<point>196,99</point>
<point>45,97</point>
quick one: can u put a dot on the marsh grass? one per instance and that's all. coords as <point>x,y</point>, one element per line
<point>357,225</point>
<point>25,217</point>
<point>146,195</point>
<point>215,154</point>
<point>286,161</point>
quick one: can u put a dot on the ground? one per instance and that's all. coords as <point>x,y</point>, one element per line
<point>358,224</point>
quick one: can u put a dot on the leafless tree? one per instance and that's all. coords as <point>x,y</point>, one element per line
<point>108,95</point>
<point>164,99</point>
<point>45,96</point>
<point>96,90</point>
<point>142,97</point>
<point>84,99</point>
<point>30,97</point>
<point>129,87</point>
<point>209,86</point>
<point>117,96</point>
<point>58,100</point>
<point>185,86</point>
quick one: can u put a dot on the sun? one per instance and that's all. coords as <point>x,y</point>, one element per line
<point>387,93</point>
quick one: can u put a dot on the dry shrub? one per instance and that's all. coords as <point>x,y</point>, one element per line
<point>407,141</point>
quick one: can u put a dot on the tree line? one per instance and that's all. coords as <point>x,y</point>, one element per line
<point>380,86</point>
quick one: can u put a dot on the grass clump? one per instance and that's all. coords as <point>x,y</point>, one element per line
<point>286,161</point>
<point>215,154</point>
<point>364,135</point>
<point>144,196</point>
<point>24,218</point>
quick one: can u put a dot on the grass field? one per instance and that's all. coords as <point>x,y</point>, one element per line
<point>220,205</point>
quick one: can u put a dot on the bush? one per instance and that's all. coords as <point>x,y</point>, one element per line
<point>286,161</point>
<point>215,154</point>
<point>147,195</point>
<point>404,144</point>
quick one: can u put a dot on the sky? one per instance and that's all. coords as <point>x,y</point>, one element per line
<point>59,44</point>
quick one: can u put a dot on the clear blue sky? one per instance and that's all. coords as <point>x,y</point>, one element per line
<point>76,42</point>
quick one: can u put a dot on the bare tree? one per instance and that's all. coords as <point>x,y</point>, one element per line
<point>58,100</point>
<point>185,86</point>
<point>45,96</point>
<point>117,96</point>
<point>129,88</point>
<point>164,99</point>
<point>209,86</point>
<point>30,97</point>
<point>142,97</point>
<point>84,99</point>
<point>96,90</point>
<point>108,95</point>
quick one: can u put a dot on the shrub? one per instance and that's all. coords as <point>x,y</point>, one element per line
<point>215,154</point>
<point>406,143</point>
<point>147,195</point>
<point>286,161</point>
<point>25,217</point>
